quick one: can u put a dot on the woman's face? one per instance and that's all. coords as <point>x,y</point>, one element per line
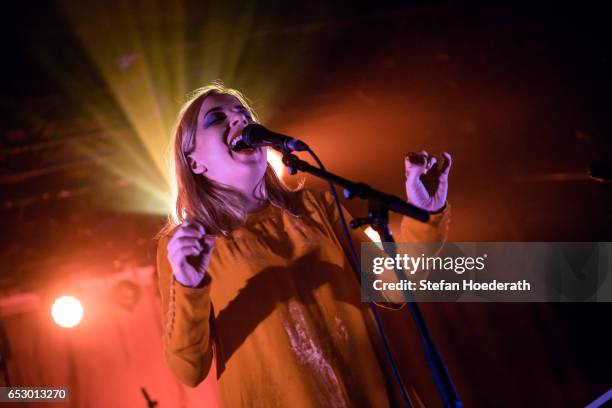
<point>222,118</point>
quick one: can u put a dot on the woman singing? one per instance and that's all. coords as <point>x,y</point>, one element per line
<point>258,276</point>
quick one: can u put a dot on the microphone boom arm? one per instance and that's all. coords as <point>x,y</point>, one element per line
<point>361,190</point>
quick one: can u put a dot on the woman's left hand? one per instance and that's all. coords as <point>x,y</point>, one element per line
<point>427,180</point>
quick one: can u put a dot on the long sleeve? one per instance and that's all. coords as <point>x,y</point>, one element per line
<point>186,323</point>
<point>435,230</point>
<point>288,317</point>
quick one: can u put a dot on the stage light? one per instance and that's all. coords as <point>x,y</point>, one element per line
<point>370,232</point>
<point>275,159</point>
<point>67,311</point>
<point>148,64</point>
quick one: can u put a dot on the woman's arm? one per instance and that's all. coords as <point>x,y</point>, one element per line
<point>186,323</point>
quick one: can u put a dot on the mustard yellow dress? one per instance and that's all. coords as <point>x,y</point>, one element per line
<point>281,313</point>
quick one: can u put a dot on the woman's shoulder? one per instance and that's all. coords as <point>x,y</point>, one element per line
<point>315,199</point>
<point>315,195</point>
<point>164,235</point>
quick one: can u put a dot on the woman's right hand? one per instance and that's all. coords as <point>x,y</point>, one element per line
<point>189,253</point>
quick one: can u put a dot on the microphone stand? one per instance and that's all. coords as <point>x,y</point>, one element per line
<point>379,204</point>
<point>361,190</point>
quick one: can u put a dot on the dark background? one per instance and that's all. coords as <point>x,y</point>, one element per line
<point>519,94</point>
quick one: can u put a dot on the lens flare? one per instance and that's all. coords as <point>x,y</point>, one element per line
<point>67,311</point>
<point>149,60</point>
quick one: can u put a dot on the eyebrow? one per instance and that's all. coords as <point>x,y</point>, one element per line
<point>218,108</point>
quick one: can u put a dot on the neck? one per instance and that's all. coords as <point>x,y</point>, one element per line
<point>252,195</point>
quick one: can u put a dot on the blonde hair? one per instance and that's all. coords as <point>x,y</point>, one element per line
<point>218,207</point>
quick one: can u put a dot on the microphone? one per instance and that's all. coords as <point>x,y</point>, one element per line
<point>255,135</point>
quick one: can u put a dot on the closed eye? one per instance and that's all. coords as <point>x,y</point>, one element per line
<point>213,119</point>
<point>246,113</point>
<point>216,115</point>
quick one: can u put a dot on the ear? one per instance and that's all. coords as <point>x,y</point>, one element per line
<point>196,167</point>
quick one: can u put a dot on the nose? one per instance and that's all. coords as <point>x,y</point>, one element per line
<point>239,118</point>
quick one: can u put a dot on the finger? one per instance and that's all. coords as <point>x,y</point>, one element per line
<point>431,162</point>
<point>200,227</point>
<point>194,224</point>
<point>182,242</point>
<point>424,156</point>
<point>184,233</point>
<point>179,240</point>
<point>414,159</point>
<point>181,252</point>
<point>209,241</point>
<point>187,251</point>
<point>178,255</point>
<point>446,165</point>
<point>413,170</point>
<point>186,241</point>
<point>189,230</point>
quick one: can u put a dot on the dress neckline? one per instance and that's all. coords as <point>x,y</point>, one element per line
<point>265,212</point>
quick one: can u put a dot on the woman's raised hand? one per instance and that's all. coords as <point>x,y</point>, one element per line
<point>427,180</point>
<point>189,253</point>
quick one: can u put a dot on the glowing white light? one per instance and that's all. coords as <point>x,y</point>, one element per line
<point>67,311</point>
<point>275,159</point>
<point>370,232</point>
<point>373,235</point>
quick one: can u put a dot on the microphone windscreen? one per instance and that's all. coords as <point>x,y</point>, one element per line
<point>252,133</point>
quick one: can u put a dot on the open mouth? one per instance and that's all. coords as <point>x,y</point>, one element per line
<point>237,144</point>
